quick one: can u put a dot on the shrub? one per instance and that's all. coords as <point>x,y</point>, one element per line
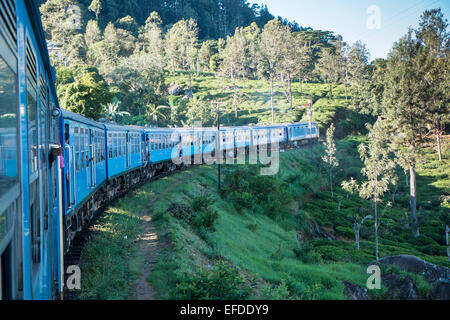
<point>307,254</point>
<point>273,292</point>
<point>201,202</point>
<point>346,232</point>
<point>181,211</point>
<point>205,217</point>
<point>220,283</point>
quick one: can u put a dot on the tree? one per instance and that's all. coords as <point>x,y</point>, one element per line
<point>96,7</point>
<point>181,46</point>
<point>62,22</point>
<point>434,53</point>
<point>332,64</point>
<point>357,65</point>
<point>351,187</point>
<point>200,110</point>
<point>404,102</point>
<point>93,34</point>
<point>139,81</point>
<point>87,95</point>
<point>378,170</point>
<point>357,227</point>
<point>273,38</point>
<point>330,158</point>
<point>113,113</point>
<point>154,113</point>
<point>152,40</point>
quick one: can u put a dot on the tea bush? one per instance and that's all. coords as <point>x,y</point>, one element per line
<point>221,283</point>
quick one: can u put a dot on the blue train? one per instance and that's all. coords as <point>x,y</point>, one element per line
<point>57,168</point>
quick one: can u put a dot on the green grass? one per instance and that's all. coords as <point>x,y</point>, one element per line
<point>262,248</point>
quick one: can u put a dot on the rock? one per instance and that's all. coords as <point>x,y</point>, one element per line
<point>438,277</point>
<point>400,288</point>
<point>174,89</point>
<point>355,292</point>
<point>319,233</point>
<point>432,273</point>
<point>188,94</point>
<point>442,291</point>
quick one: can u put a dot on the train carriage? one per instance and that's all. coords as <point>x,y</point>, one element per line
<point>84,158</point>
<point>29,206</point>
<point>161,144</point>
<point>302,132</point>
<point>243,137</point>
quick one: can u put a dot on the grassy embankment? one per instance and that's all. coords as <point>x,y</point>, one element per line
<point>264,249</point>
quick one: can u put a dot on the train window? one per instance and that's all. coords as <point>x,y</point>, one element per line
<point>110,145</point>
<point>82,149</point>
<point>115,145</point>
<point>121,136</point>
<point>76,137</point>
<point>8,119</point>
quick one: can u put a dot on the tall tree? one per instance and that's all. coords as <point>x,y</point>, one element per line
<point>434,54</point>
<point>152,39</point>
<point>273,38</point>
<point>62,23</point>
<point>404,104</point>
<point>96,7</point>
<point>378,170</point>
<point>331,65</point>
<point>357,66</point>
<point>181,46</point>
<point>330,158</point>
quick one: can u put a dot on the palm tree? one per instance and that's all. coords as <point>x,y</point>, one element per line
<point>154,113</point>
<point>112,111</point>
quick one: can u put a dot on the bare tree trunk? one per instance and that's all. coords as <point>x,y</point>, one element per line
<point>271,99</point>
<point>438,138</point>
<point>190,81</point>
<point>331,183</point>
<point>290,91</point>
<point>340,204</point>
<point>447,230</point>
<point>356,228</point>
<point>415,224</point>
<point>376,229</point>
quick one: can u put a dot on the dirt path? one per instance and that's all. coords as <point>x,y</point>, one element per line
<point>149,245</point>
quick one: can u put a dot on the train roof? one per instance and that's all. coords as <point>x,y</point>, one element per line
<point>79,118</point>
<point>116,127</point>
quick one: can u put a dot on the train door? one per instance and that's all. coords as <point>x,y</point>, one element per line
<point>69,165</point>
<point>54,198</point>
<point>91,163</point>
<point>34,171</point>
<point>128,161</point>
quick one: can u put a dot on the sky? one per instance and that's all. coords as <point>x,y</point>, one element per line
<point>377,23</point>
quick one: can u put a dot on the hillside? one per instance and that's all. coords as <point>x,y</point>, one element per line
<point>258,235</point>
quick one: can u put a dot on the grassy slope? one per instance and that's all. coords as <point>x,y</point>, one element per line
<point>256,108</point>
